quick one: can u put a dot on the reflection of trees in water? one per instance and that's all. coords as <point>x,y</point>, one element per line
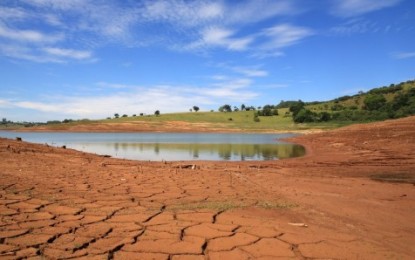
<point>157,148</point>
<point>259,151</point>
<point>195,153</point>
<point>223,151</point>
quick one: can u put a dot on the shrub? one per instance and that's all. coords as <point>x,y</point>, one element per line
<point>374,102</point>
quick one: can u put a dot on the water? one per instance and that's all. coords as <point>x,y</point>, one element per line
<point>171,146</point>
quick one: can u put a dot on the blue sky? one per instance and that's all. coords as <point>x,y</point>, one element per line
<point>93,58</point>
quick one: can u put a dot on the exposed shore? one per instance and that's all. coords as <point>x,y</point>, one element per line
<point>160,127</point>
<point>61,203</point>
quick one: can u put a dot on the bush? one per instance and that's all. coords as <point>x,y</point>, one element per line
<point>324,116</point>
<point>304,116</point>
<point>374,102</point>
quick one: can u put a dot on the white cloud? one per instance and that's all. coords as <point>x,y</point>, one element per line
<point>353,26</point>
<point>403,55</point>
<point>247,71</point>
<point>39,106</point>
<point>12,13</point>
<point>43,55</point>
<point>220,37</point>
<point>253,11</point>
<point>283,35</point>
<point>58,4</point>
<point>234,84</point>
<point>31,36</point>
<point>275,38</point>
<point>68,53</point>
<point>25,53</point>
<point>4,103</point>
<point>348,8</point>
<point>180,13</point>
<point>268,42</point>
<point>251,72</point>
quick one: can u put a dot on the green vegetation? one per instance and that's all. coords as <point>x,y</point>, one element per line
<point>395,101</point>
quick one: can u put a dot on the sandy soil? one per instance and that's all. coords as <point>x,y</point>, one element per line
<point>143,126</point>
<point>60,203</point>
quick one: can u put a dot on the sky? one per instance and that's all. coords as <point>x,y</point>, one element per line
<point>77,59</point>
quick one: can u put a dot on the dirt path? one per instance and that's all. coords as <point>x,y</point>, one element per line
<point>60,203</point>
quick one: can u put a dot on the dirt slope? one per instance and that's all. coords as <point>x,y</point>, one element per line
<point>60,203</point>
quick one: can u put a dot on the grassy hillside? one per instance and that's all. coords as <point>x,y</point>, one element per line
<point>234,120</point>
<point>394,101</point>
<point>350,102</point>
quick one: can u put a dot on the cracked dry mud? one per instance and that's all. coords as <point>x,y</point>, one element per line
<point>58,203</point>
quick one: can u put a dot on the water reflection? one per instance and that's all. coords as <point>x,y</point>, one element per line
<point>171,146</point>
<point>194,151</point>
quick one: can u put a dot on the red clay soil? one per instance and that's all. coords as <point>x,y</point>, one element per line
<point>58,203</point>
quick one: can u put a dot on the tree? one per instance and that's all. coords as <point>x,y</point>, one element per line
<point>195,108</point>
<point>225,108</point>
<point>268,110</point>
<point>304,115</point>
<point>295,107</point>
<point>157,112</point>
<point>116,115</point>
<point>243,107</point>
<point>125,115</point>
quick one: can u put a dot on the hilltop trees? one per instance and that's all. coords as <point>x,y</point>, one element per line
<point>296,106</point>
<point>268,110</point>
<point>195,108</point>
<point>225,108</point>
<point>157,112</point>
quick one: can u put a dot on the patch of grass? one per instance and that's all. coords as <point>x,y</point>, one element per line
<point>276,205</point>
<point>230,205</point>
<point>394,178</point>
<point>210,205</point>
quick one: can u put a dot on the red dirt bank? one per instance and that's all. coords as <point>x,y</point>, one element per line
<point>57,203</point>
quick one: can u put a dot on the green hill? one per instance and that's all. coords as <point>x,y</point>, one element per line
<point>394,101</point>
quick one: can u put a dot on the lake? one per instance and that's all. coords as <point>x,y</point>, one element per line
<point>171,146</point>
